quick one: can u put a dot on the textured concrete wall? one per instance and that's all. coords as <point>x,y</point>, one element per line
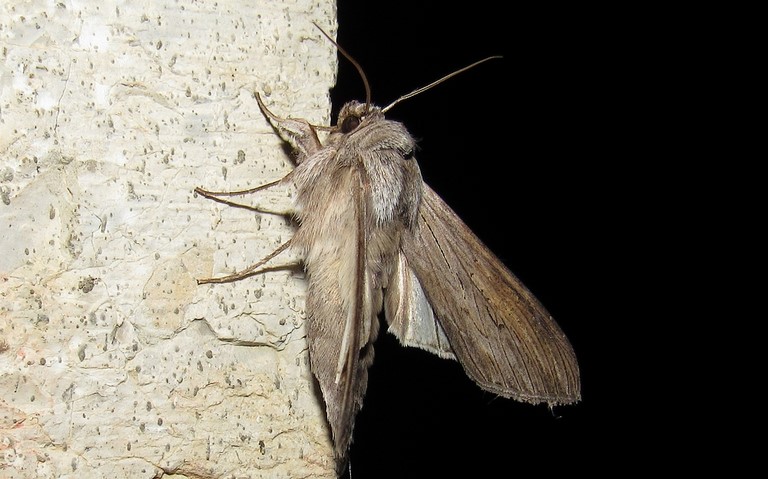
<point>113,361</point>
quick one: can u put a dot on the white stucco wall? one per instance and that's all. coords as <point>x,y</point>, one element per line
<point>113,361</point>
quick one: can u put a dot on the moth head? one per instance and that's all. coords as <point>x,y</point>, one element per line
<point>354,114</point>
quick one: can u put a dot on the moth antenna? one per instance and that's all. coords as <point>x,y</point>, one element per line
<point>353,62</point>
<point>437,82</point>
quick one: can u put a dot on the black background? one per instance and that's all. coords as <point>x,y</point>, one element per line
<point>525,150</point>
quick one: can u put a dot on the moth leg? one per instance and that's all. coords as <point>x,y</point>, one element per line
<point>210,194</point>
<point>300,134</point>
<point>216,196</point>
<point>249,271</point>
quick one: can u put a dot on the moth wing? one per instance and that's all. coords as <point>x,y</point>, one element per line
<point>341,317</point>
<point>504,338</point>
<point>410,315</point>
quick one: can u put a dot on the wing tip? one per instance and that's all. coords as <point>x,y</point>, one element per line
<point>564,397</point>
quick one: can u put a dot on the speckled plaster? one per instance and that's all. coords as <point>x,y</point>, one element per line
<point>113,361</point>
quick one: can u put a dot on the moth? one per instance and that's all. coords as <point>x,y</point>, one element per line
<point>373,236</point>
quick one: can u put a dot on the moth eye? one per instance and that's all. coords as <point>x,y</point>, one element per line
<point>350,123</point>
<point>408,154</point>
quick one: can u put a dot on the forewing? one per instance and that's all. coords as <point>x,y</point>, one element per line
<point>341,321</point>
<point>504,338</point>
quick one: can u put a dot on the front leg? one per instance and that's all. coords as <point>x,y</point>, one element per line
<point>299,133</point>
